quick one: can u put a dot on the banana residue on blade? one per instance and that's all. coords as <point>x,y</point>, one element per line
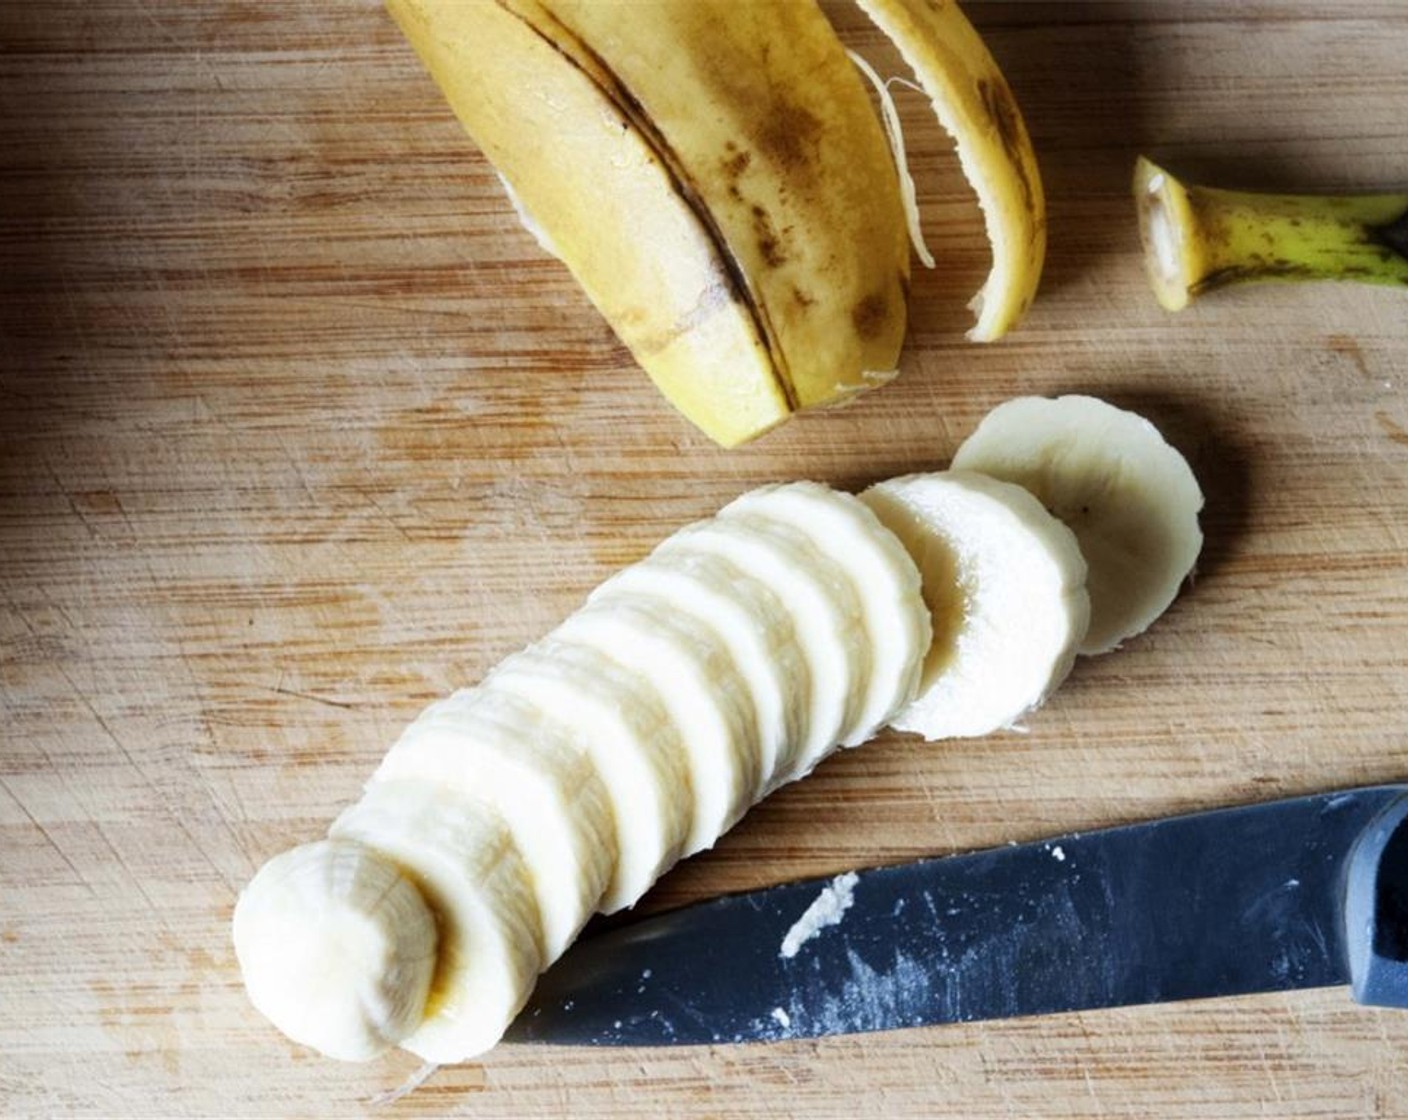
<point>827,909</point>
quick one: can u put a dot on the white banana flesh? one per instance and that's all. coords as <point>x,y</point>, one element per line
<point>1130,498</point>
<point>882,575</point>
<point>527,767</point>
<point>695,680</point>
<point>337,948</point>
<point>750,622</point>
<point>824,613</point>
<point>631,741</point>
<point>743,651</point>
<point>1005,585</point>
<point>470,874</point>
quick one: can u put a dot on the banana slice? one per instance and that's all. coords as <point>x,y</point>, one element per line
<point>1005,582</point>
<point>469,872</point>
<point>881,573</point>
<point>975,105</point>
<point>695,680</point>
<point>1131,499</point>
<point>337,948</point>
<point>750,622</point>
<point>825,616</point>
<point>632,743</point>
<point>507,753</point>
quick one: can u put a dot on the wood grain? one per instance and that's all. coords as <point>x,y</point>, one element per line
<point>298,431</point>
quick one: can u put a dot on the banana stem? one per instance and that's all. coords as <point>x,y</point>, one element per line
<point>1200,238</point>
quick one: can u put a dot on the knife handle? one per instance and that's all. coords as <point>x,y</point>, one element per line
<point>1376,910</point>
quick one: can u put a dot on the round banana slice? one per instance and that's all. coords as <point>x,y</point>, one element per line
<point>696,681</point>
<point>825,616</point>
<point>633,744</point>
<point>1005,583</point>
<point>839,587</point>
<point>496,748</point>
<point>750,622</point>
<point>337,948</point>
<point>1130,498</point>
<point>468,870</point>
<point>883,576</point>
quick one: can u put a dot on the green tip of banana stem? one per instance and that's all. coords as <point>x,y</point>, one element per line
<point>1199,238</point>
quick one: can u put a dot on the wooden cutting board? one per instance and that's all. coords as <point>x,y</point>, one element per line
<point>299,430</point>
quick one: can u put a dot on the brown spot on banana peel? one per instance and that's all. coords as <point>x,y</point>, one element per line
<point>736,162</point>
<point>1394,236</point>
<point>790,136</point>
<point>870,314</point>
<point>1001,106</point>
<point>1260,270</point>
<point>614,90</point>
<point>769,240</point>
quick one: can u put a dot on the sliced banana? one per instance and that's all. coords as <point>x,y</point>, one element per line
<point>1005,583</point>
<point>469,872</point>
<point>695,679</point>
<point>633,744</point>
<point>337,948</point>
<point>756,629</point>
<point>883,576</point>
<point>825,616</point>
<point>1130,498</point>
<point>496,748</point>
<point>840,591</point>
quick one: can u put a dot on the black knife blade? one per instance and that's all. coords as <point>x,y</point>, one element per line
<point>1228,902</point>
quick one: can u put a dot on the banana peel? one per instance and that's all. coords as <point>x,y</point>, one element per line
<point>768,124</point>
<point>714,176</point>
<point>1198,238</point>
<point>976,107</point>
<point>584,174</point>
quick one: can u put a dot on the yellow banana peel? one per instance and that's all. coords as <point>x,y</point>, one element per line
<point>770,127</point>
<point>714,176</point>
<point>1199,238</point>
<point>585,175</point>
<point>975,105</point>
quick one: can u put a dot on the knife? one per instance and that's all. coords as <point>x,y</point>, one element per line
<point>1302,893</point>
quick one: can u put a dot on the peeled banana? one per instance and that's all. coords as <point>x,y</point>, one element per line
<point>882,576</point>
<point>633,744</point>
<point>1005,585</point>
<point>337,947</point>
<point>744,650</point>
<point>1130,498</point>
<point>526,764</point>
<point>751,623</point>
<point>713,174</point>
<point>824,611</point>
<point>469,873</point>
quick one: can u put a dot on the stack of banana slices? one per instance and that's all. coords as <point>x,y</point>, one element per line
<point>715,177</point>
<point>734,658</point>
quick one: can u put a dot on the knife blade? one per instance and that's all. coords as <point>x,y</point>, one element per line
<point>1302,893</point>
